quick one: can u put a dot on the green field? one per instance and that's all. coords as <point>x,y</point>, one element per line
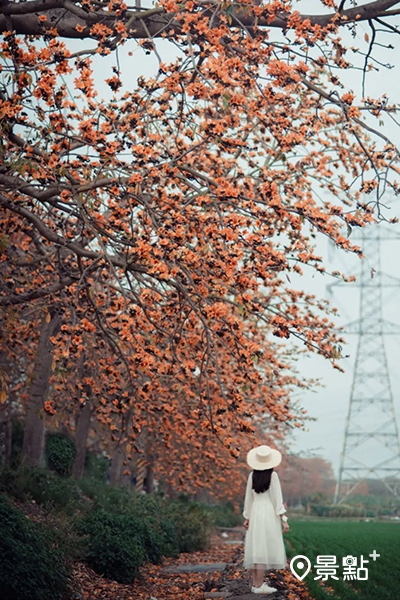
<point>344,538</point>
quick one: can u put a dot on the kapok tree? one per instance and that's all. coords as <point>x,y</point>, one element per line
<point>173,408</point>
<point>171,217</point>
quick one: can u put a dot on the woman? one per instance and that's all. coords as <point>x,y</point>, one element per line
<point>264,515</point>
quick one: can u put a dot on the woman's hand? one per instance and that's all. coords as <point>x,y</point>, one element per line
<point>246,524</point>
<point>285,526</point>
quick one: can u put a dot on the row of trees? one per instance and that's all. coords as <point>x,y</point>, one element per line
<point>307,479</point>
<point>148,240</point>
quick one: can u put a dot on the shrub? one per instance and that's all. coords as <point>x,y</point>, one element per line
<point>107,497</point>
<point>115,546</point>
<point>31,567</point>
<point>60,453</point>
<point>161,538</point>
<point>119,542</point>
<point>183,524</point>
<point>121,529</point>
<point>154,509</point>
<point>223,515</point>
<point>343,510</point>
<point>192,524</point>
<point>115,557</point>
<point>46,488</point>
<point>96,467</point>
<point>169,537</point>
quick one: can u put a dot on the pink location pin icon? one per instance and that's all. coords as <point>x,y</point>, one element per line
<point>302,562</point>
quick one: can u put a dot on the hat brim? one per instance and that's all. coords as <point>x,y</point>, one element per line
<point>274,459</point>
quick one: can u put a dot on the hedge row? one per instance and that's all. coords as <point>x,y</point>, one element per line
<point>321,510</point>
<point>120,540</point>
<point>113,530</point>
<point>32,565</point>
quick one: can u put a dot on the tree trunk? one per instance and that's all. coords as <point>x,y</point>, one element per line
<point>117,466</point>
<point>8,441</point>
<point>149,481</point>
<point>81,436</point>
<point>7,374</point>
<point>5,439</point>
<point>140,472</point>
<point>32,448</point>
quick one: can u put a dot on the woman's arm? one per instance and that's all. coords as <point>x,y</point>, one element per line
<point>248,500</point>
<point>277,500</point>
<point>276,494</point>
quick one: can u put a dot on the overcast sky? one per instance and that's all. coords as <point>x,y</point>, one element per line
<point>329,405</point>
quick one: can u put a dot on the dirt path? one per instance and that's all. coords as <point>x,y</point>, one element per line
<point>173,580</point>
<point>216,573</point>
<point>234,583</point>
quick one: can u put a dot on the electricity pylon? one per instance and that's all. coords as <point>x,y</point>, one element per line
<point>371,446</point>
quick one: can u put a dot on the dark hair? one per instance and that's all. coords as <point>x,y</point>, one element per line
<point>262,480</point>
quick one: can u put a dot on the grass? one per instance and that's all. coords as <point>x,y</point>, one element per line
<point>343,538</point>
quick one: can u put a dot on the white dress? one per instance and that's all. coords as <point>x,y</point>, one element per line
<point>264,540</point>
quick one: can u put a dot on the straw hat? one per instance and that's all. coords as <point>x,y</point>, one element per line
<point>263,457</point>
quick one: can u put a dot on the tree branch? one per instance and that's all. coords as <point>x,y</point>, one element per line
<point>55,238</point>
<point>66,15</point>
<point>14,299</point>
